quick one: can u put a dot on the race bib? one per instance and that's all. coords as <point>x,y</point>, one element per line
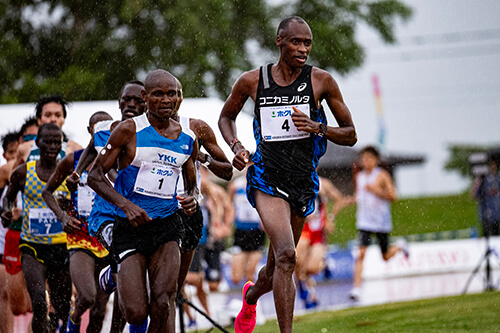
<point>85,197</point>
<point>277,124</point>
<point>43,222</point>
<point>156,180</point>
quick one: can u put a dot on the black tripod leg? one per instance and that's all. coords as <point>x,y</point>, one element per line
<point>478,267</point>
<point>184,300</point>
<point>180,304</point>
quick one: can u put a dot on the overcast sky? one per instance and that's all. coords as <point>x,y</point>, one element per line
<point>440,85</point>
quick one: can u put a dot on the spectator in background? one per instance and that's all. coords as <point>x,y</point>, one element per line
<point>486,190</point>
<point>249,236</point>
<point>313,243</point>
<point>374,193</point>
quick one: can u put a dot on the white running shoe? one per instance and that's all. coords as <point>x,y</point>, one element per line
<point>403,245</point>
<point>355,294</point>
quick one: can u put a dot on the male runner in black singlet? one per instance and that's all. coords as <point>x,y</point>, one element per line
<point>291,132</point>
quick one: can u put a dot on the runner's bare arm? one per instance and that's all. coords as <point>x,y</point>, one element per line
<point>63,169</point>
<point>189,201</point>
<point>244,87</point>
<point>88,155</point>
<point>220,165</point>
<point>327,89</point>
<point>116,149</point>
<point>17,181</point>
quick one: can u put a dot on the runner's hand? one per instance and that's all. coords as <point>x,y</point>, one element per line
<point>72,182</point>
<point>241,158</point>
<point>70,224</point>
<point>303,122</point>
<point>136,215</point>
<point>7,218</point>
<point>189,204</point>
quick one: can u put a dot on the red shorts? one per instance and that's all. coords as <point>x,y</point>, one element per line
<point>12,255</point>
<point>314,237</point>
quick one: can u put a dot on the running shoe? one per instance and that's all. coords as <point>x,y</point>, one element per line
<point>403,245</point>
<point>106,281</point>
<point>139,329</point>
<point>247,318</point>
<point>311,300</point>
<point>303,292</point>
<point>311,304</point>
<point>355,294</point>
<point>72,327</point>
<point>192,323</point>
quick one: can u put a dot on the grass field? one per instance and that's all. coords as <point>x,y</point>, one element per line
<point>416,216</point>
<point>468,313</point>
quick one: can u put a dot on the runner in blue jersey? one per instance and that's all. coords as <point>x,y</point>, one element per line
<point>152,151</point>
<point>290,131</point>
<point>131,105</point>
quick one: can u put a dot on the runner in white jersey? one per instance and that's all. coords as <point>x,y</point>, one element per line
<point>374,193</point>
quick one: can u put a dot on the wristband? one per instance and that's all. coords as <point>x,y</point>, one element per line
<point>208,160</point>
<point>77,174</point>
<point>233,143</point>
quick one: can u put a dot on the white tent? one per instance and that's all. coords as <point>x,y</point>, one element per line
<point>75,127</point>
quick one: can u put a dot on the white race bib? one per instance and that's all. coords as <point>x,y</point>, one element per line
<point>85,197</point>
<point>277,124</point>
<point>43,222</point>
<point>156,180</point>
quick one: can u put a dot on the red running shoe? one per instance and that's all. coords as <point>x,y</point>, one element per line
<point>247,318</point>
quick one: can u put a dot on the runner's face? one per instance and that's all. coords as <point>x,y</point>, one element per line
<point>10,152</point>
<point>131,102</point>
<point>295,43</point>
<point>163,98</point>
<point>368,161</point>
<point>52,113</point>
<point>50,143</point>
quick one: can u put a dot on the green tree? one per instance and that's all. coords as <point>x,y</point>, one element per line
<point>87,49</point>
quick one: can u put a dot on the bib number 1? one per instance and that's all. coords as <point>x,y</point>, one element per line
<point>156,180</point>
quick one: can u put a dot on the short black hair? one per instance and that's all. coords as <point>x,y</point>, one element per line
<point>139,83</point>
<point>371,150</point>
<point>97,114</point>
<point>28,122</point>
<point>286,22</point>
<point>48,127</point>
<point>9,138</point>
<point>50,99</point>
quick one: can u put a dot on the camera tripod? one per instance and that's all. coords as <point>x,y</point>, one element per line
<point>180,304</point>
<point>488,284</point>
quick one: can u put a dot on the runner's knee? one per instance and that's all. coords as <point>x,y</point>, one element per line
<point>87,298</point>
<point>286,259</point>
<point>135,315</point>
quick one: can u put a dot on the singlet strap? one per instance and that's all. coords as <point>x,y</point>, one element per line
<point>265,77</point>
